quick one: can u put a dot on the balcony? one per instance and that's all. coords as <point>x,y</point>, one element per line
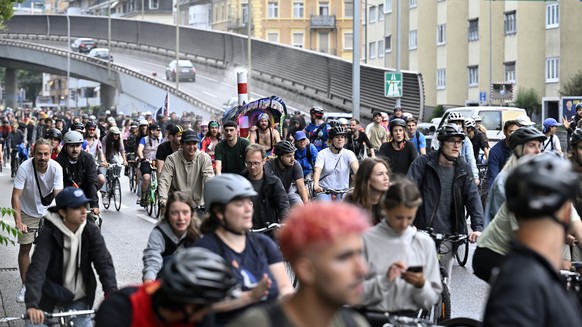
<point>322,22</point>
<point>236,24</point>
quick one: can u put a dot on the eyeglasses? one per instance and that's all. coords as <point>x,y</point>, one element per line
<point>453,142</point>
<point>253,163</point>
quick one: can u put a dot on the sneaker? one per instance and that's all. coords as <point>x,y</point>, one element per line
<point>20,295</point>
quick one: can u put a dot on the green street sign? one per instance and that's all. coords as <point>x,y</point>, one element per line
<point>392,85</point>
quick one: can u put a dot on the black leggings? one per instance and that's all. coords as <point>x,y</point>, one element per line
<point>484,261</point>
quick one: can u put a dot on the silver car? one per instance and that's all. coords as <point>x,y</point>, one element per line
<point>186,70</point>
<point>101,53</point>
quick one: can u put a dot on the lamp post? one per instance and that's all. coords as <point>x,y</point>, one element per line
<point>109,40</point>
<point>68,57</point>
<point>142,10</point>
<point>177,45</point>
<point>398,48</point>
<point>356,61</point>
<point>249,24</point>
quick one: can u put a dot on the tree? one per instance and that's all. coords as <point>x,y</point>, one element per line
<point>573,86</point>
<point>7,10</point>
<point>8,232</point>
<point>529,100</point>
<point>438,111</point>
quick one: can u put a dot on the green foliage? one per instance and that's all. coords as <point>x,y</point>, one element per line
<point>7,233</point>
<point>573,86</point>
<point>438,111</point>
<point>529,100</point>
<point>7,10</point>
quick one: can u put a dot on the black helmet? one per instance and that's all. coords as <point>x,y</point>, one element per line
<point>284,147</point>
<point>337,130</point>
<point>317,111</point>
<point>197,275</point>
<point>448,131</point>
<point>398,122</point>
<point>576,136</point>
<point>77,127</point>
<point>540,185</point>
<point>90,124</point>
<point>579,105</point>
<point>523,135</point>
<point>53,133</point>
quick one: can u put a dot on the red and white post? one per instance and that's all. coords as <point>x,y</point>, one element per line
<point>243,95</point>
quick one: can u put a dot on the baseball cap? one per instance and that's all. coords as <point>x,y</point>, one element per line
<point>175,129</point>
<point>71,197</point>
<point>148,113</point>
<point>189,136</point>
<point>114,130</point>
<point>377,113</point>
<point>264,116</point>
<point>300,135</point>
<point>153,127</point>
<point>204,123</point>
<point>397,108</point>
<point>524,120</point>
<point>551,122</point>
<point>111,120</point>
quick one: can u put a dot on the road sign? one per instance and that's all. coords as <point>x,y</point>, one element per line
<point>392,85</point>
<point>483,96</point>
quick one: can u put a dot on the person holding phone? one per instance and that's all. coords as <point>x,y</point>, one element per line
<point>406,278</point>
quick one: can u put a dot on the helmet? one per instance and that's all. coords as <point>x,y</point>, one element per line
<point>317,111</point>
<point>539,185</point>
<point>523,135</point>
<point>477,118</point>
<point>333,123</point>
<point>225,187</point>
<point>576,136</point>
<point>85,116</point>
<point>21,125</point>
<point>398,122</point>
<point>143,122</point>
<point>197,275</point>
<point>284,147</point>
<point>455,116</point>
<point>73,137</point>
<point>90,124</point>
<point>343,121</point>
<point>579,105</point>
<point>77,126</point>
<point>53,133</point>
<point>337,130</point>
<point>470,123</point>
<point>134,124</point>
<point>448,131</point>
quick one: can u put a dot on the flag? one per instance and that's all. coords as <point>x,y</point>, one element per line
<point>164,109</point>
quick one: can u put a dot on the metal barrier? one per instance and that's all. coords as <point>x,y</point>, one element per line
<point>323,78</point>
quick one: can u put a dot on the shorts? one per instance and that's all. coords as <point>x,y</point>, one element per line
<point>28,238</point>
<point>145,168</point>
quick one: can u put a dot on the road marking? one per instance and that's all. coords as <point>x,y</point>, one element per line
<point>207,78</point>
<point>148,218</point>
<point>209,94</point>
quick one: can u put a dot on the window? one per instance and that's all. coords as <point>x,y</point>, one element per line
<point>388,43</point>
<point>380,13</point>
<point>273,10</point>
<point>154,4</point>
<point>324,9</point>
<point>510,71</point>
<point>381,49</point>
<point>298,9</point>
<point>372,50</point>
<point>349,8</point>
<point>413,3</point>
<point>348,41</point>
<point>441,83</point>
<point>473,76</point>
<point>245,12</point>
<point>373,14</point>
<point>510,23</point>
<point>552,69</point>
<point>412,42</point>
<point>474,29</point>
<point>388,6</point>
<point>441,34</point>
<point>298,40</point>
<point>552,15</point>
<point>273,37</point>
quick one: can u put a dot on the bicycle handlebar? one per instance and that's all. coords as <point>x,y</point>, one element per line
<point>273,226</point>
<point>52,315</point>
<point>328,190</point>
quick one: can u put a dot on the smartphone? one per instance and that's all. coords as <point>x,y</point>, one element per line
<point>415,269</point>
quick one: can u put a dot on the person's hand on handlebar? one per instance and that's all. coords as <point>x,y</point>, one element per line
<point>104,164</point>
<point>473,236</point>
<point>95,211</point>
<point>317,188</point>
<point>36,316</point>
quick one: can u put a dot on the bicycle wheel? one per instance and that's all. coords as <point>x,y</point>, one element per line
<point>462,252</point>
<point>461,322</point>
<point>106,198</point>
<point>150,202</point>
<point>13,167</point>
<point>445,304</point>
<point>117,193</point>
<point>157,205</point>
<point>131,177</point>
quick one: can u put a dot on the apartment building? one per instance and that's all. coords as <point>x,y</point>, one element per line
<point>461,46</point>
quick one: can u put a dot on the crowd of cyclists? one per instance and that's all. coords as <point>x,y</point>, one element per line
<point>354,207</point>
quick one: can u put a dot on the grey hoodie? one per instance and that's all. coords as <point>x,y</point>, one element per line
<point>152,254</point>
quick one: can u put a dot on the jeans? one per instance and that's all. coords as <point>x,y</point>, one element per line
<point>80,321</point>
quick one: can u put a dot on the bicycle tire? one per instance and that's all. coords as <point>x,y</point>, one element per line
<point>150,203</point>
<point>117,193</point>
<point>462,252</point>
<point>106,198</point>
<point>445,304</point>
<point>157,206</point>
<point>131,178</point>
<point>461,322</point>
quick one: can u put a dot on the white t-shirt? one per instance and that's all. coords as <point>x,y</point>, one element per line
<point>52,179</point>
<point>551,143</point>
<point>335,168</point>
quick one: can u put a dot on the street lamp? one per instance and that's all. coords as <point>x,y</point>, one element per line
<point>356,60</point>
<point>109,40</point>
<point>249,69</point>
<point>177,67</point>
<point>68,57</point>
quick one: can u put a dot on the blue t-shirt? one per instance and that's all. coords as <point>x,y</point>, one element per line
<point>318,140</point>
<point>249,266</point>
<point>420,143</point>
<point>303,159</point>
<point>497,158</point>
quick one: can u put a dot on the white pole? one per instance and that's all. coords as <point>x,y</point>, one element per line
<point>490,55</point>
<point>177,45</point>
<point>356,61</point>
<point>398,48</point>
<point>109,39</point>
<point>249,36</point>
<point>68,58</point>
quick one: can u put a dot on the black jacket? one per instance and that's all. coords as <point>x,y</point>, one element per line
<point>423,172</point>
<point>46,267</point>
<point>84,174</point>
<point>275,202</point>
<point>528,292</point>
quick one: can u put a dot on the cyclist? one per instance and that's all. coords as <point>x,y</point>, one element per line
<point>397,114</point>
<point>61,270</point>
<point>229,156</point>
<point>185,170</point>
<point>27,200</point>
<point>95,148</point>
<point>15,138</point>
<point>528,290</point>
<point>306,153</point>
<point>398,151</point>
<point>371,182</point>
<point>416,137</point>
<point>333,165</point>
<point>169,146</point>
<point>79,169</point>
<point>191,282</point>
<point>317,130</point>
<point>54,136</point>
<point>356,140</point>
<point>265,135</point>
<point>477,138</point>
<point>186,122</point>
<point>500,152</point>
<point>478,123</point>
<point>210,141</point>
<point>572,123</point>
<point>141,133</point>
<point>177,231</point>
<point>447,187</point>
<point>576,160</point>
<point>390,286</point>
<point>289,172</point>
<point>203,130</point>
<point>146,152</point>
<point>323,244</point>
<point>377,134</point>
<point>256,261</point>
<point>552,142</point>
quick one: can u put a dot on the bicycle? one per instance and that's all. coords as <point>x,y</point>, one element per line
<point>271,228</point>
<point>336,195</point>
<point>152,204</point>
<point>132,173</point>
<point>14,162</point>
<point>113,186</point>
<point>65,318</point>
<point>309,187</point>
<point>392,320</point>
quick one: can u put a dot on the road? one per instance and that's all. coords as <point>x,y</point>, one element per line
<point>126,234</point>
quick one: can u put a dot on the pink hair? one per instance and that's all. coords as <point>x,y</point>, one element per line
<point>317,225</point>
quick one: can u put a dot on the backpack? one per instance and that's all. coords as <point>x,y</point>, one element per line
<point>316,132</point>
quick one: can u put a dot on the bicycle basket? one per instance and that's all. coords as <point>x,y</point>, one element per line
<point>115,171</point>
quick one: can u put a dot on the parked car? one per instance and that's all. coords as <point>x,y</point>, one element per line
<point>186,70</point>
<point>101,53</point>
<point>84,45</point>
<point>428,130</point>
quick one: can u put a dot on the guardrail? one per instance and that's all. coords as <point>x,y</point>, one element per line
<point>322,78</point>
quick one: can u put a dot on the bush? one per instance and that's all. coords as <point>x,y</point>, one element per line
<point>573,86</point>
<point>529,100</point>
<point>8,232</point>
<point>438,111</point>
